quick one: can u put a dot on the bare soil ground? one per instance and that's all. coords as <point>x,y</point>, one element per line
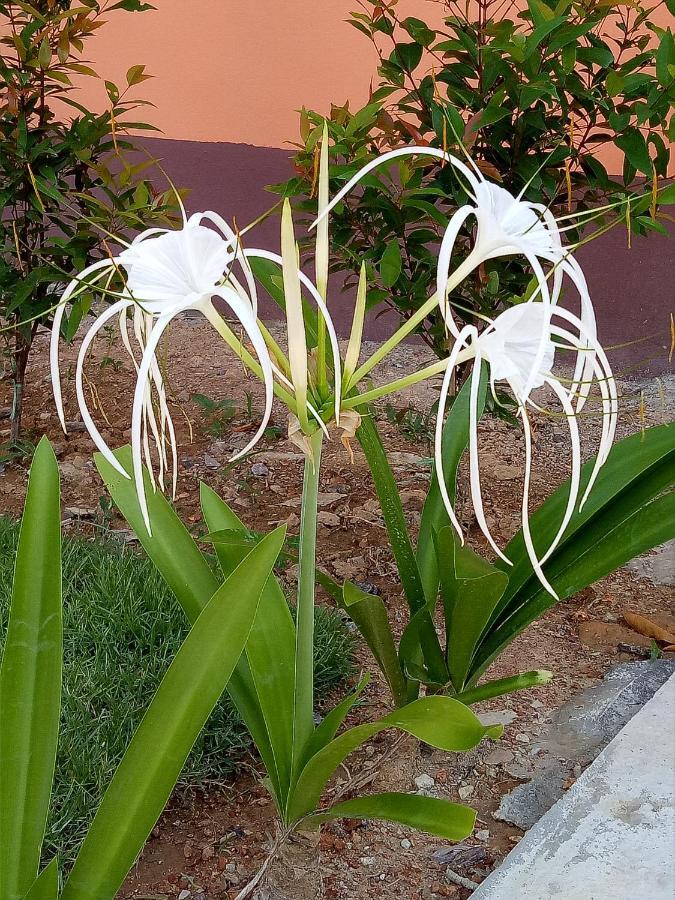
<point>210,842</point>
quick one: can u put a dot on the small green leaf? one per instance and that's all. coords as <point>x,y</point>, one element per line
<point>390,264</point>
<point>633,144</point>
<point>451,821</point>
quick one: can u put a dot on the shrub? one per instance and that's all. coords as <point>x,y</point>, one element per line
<point>122,628</point>
<point>535,100</point>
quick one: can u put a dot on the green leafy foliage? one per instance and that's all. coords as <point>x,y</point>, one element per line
<point>68,180</point>
<point>30,706</point>
<point>122,628</point>
<point>300,757</point>
<point>630,510</point>
<point>535,98</point>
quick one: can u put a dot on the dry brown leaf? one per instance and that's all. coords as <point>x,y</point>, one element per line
<point>650,629</point>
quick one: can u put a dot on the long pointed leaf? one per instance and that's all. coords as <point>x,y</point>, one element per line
<point>399,538</point>
<point>649,526</point>
<point>434,516</point>
<point>370,616</point>
<point>30,681</point>
<point>629,466</point>
<point>471,591</point>
<point>46,885</point>
<point>185,570</point>
<point>451,821</point>
<point>440,721</point>
<point>270,649</point>
<point>183,702</point>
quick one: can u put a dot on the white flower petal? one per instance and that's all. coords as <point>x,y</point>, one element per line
<point>243,313</point>
<point>476,497</point>
<point>525,513</point>
<point>395,154</point>
<point>100,267</point>
<point>94,433</point>
<point>462,341</point>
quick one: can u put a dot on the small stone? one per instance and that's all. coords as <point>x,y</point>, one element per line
<point>483,835</point>
<point>231,867</point>
<point>329,519</point>
<point>259,470</point>
<point>523,738</point>
<point>498,717</point>
<point>211,462</point>
<point>424,782</point>
<point>465,791</point>
<point>208,852</point>
<point>406,844</point>
<point>536,704</point>
<point>368,860</point>
<point>188,850</point>
<point>184,894</point>
<point>499,757</point>
<point>368,588</point>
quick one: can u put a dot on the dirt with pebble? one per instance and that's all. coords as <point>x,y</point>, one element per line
<point>210,841</point>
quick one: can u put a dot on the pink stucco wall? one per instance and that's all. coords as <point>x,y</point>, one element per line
<point>238,70</point>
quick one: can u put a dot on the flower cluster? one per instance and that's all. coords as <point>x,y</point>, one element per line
<point>203,266</point>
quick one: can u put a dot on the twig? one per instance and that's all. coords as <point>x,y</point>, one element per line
<point>260,874</point>
<point>457,879</point>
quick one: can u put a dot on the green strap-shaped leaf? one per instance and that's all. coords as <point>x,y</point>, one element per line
<point>399,538</point>
<point>46,885</point>
<point>170,546</point>
<point>434,516</point>
<point>570,572</point>
<point>30,681</point>
<point>471,590</point>
<point>186,571</point>
<point>369,614</point>
<point>270,649</point>
<point>440,721</point>
<point>183,702</point>
<point>269,275</point>
<point>451,821</point>
<point>330,724</point>
<point>629,466</point>
<point>500,686</point>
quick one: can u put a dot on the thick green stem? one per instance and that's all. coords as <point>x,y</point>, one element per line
<point>501,686</point>
<point>456,277</point>
<point>303,711</point>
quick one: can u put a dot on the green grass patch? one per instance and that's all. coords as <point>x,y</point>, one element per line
<point>122,627</point>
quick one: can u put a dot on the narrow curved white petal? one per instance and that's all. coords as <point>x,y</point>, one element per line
<point>99,266</point>
<point>525,512</point>
<point>243,313</point>
<point>94,433</point>
<point>585,337</point>
<point>444,261</point>
<point>545,332</point>
<point>139,403</point>
<point>395,154</point>
<point>474,468</point>
<point>575,473</point>
<point>233,239</point>
<point>583,369</point>
<point>462,341</point>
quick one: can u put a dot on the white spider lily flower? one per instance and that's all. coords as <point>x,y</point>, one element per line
<point>167,273</point>
<point>512,345</point>
<point>505,226</point>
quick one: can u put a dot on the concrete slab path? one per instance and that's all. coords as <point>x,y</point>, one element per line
<point>612,836</point>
